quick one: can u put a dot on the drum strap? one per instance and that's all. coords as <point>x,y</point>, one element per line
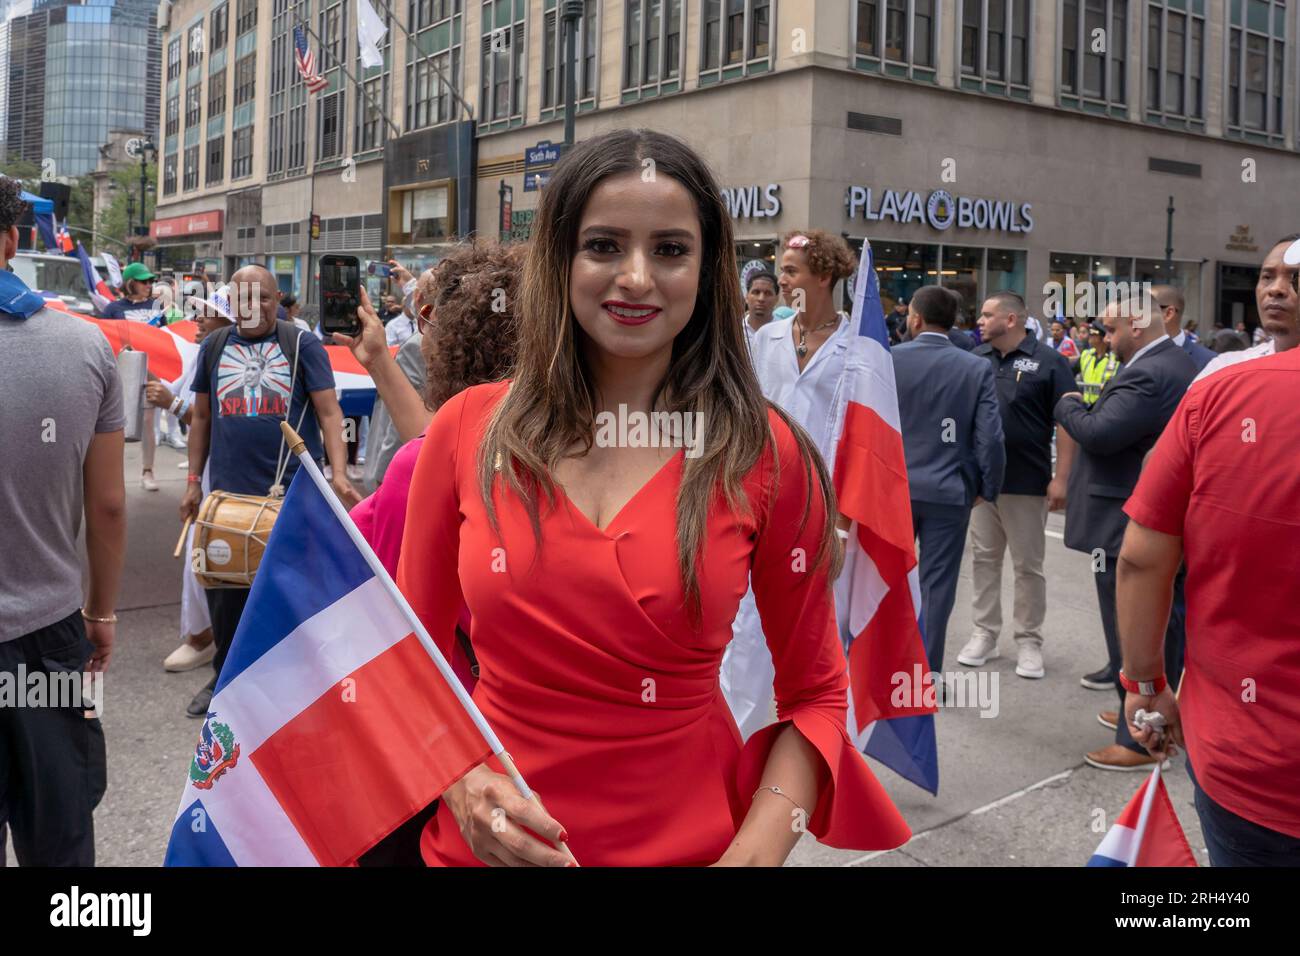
<point>282,456</point>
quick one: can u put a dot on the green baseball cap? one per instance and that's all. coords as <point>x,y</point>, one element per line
<point>137,272</point>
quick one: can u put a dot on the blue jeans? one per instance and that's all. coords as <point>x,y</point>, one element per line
<point>1236,841</point>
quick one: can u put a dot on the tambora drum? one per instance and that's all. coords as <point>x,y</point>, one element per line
<point>230,535</point>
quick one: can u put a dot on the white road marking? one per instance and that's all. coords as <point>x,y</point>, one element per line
<point>978,810</point>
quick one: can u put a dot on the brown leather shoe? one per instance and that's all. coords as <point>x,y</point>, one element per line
<point>1109,719</point>
<point>1119,757</point>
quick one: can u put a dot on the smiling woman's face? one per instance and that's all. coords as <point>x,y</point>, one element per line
<point>636,272</point>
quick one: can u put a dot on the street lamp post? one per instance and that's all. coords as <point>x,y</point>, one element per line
<point>571,12</point>
<point>146,148</point>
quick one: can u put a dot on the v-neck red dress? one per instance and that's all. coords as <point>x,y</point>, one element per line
<point>594,678</point>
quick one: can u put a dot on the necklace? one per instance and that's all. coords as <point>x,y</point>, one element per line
<point>802,347</point>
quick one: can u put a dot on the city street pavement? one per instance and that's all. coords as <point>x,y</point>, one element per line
<point>1014,790</point>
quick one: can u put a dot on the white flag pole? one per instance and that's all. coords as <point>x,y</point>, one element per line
<point>298,447</point>
<point>1148,800</point>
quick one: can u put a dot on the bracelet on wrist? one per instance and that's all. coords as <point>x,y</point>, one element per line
<point>111,619</point>
<point>1146,688</point>
<point>193,479</point>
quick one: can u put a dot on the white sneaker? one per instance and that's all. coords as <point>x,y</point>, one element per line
<point>183,464</point>
<point>354,472</point>
<point>147,482</point>
<point>187,657</point>
<point>978,650</point>
<point>1029,660</point>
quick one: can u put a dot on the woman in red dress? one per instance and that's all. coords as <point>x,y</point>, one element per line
<point>602,567</point>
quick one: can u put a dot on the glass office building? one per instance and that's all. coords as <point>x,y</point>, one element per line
<point>73,71</point>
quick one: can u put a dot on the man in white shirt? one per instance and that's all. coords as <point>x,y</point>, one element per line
<point>1278,304</point>
<point>800,366</point>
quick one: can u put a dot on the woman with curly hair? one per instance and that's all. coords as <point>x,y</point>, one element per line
<point>465,315</point>
<point>602,575</point>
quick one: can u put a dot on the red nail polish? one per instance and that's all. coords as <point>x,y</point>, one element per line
<point>564,836</point>
<point>570,863</point>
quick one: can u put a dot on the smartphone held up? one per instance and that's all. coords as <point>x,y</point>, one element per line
<point>340,294</point>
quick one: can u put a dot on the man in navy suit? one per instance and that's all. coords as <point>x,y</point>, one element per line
<point>1114,435</point>
<point>952,439</point>
<point>1171,303</point>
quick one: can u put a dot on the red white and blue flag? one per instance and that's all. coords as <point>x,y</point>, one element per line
<point>330,725</point>
<point>1147,832</point>
<point>306,63</point>
<point>883,614</point>
<point>101,294</point>
<point>64,239</point>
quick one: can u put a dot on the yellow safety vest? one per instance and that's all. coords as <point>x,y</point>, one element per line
<point>1096,373</point>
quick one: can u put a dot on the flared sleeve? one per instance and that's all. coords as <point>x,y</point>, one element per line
<point>797,610</point>
<point>427,570</point>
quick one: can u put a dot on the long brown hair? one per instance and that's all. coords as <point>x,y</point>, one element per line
<point>550,405</point>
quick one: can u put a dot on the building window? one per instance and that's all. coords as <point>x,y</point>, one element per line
<point>333,30</point>
<point>297,137</point>
<point>329,126</point>
<point>279,62</point>
<point>371,128</point>
<point>1256,32</point>
<point>1175,60</point>
<point>193,105</point>
<point>220,27</point>
<point>194,49</point>
<point>653,42</point>
<point>426,13</point>
<point>216,160</point>
<point>896,36</point>
<point>425,215</point>
<point>173,115</point>
<point>428,95</point>
<point>553,64</point>
<point>245,18</point>
<point>502,62</point>
<point>1093,53</point>
<point>174,59</point>
<point>245,78</point>
<point>241,153</point>
<point>275,143</point>
<point>191,168</point>
<point>217,93</point>
<point>995,44</point>
<point>169,174</point>
<point>734,33</point>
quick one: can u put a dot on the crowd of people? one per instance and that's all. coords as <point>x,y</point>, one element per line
<point>490,369</point>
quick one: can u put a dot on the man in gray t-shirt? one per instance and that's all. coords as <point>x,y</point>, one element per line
<point>61,421</point>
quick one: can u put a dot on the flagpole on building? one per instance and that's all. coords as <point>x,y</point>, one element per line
<point>348,73</point>
<point>298,447</point>
<point>429,57</point>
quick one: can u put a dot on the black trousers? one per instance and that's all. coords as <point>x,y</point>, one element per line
<point>53,769</point>
<point>1175,640</point>
<point>941,530</point>
<point>225,608</point>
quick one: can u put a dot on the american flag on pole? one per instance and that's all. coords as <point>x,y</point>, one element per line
<point>883,619</point>
<point>306,63</point>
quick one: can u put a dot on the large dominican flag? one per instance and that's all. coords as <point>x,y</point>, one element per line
<point>883,618</point>
<point>1147,832</point>
<point>330,725</point>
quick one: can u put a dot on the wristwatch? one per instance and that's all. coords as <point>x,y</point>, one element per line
<point>1147,688</point>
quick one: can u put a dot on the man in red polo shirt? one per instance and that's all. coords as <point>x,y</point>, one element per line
<point>1222,492</point>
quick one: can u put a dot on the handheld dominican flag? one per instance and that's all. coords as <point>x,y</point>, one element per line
<point>100,294</point>
<point>1147,832</point>
<point>883,619</point>
<point>114,270</point>
<point>306,63</point>
<point>64,239</point>
<point>330,724</point>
